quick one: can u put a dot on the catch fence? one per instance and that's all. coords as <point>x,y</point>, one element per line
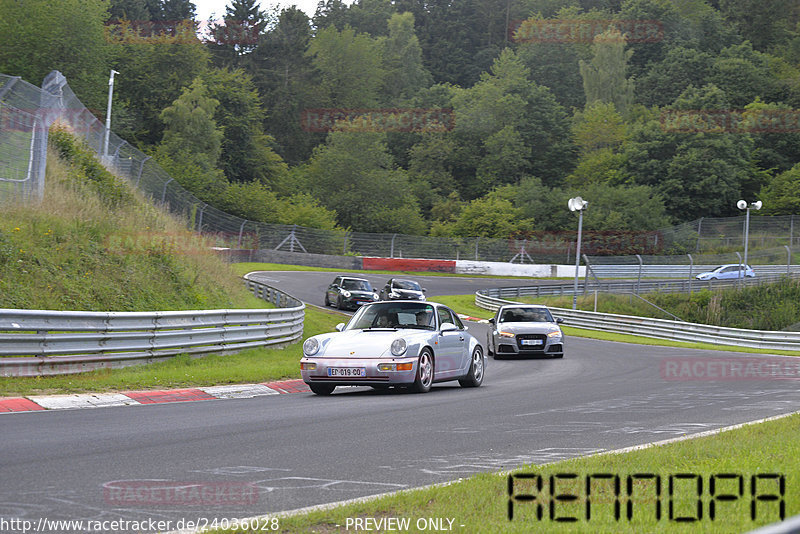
<point>26,113</point>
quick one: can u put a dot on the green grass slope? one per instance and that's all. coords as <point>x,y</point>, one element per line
<point>95,244</point>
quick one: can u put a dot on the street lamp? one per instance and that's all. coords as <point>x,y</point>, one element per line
<point>743,205</point>
<point>577,204</point>
<point>108,114</point>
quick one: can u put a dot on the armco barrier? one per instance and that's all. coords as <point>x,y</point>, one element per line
<point>44,342</point>
<point>632,286</point>
<point>663,329</point>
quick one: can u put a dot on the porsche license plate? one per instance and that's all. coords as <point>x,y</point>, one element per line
<point>347,372</point>
<point>531,342</point>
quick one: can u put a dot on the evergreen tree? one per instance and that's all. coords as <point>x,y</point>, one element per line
<point>604,78</point>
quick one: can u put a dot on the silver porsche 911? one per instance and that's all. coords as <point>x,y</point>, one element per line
<point>525,330</point>
<point>394,343</point>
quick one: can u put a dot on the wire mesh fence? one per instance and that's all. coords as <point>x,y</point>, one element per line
<point>26,113</point>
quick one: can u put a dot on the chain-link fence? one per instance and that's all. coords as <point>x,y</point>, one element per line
<point>26,112</point>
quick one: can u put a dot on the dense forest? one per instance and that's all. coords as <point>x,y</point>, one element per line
<point>656,111</point>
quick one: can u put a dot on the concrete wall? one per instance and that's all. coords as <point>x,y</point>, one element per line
<point>516,269</point>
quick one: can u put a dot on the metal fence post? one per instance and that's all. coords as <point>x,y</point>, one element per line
<point>639,279</point>
<point>788,260</point>
<point>691,269</point>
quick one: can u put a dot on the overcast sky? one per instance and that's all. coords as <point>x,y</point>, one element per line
<point>206,7</point>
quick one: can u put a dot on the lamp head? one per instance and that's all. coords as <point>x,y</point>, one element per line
<point>577,204</point>
<point>741,205</point>
<point>757,204</point>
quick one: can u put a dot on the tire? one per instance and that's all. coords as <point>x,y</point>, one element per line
<point>424,379</point>
<point>327,300</point>
<point>339,303</point>
<point>476,368</point>
<point>322,389</point>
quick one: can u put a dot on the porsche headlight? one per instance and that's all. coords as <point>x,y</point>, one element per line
<point>375,296</point>
<point>346,294</point>
<point>399,346</point>
<point>310,346</point>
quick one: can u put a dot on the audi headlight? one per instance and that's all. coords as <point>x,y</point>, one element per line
<point>346,294</point>
<point>399,346</point>
<point>554,333</point>
<point>505,334</point>
<point>310,346</point>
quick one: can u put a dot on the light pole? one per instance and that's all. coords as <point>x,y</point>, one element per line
<point>108,114</point>
<point>577,204</point>
<point>743,205</point>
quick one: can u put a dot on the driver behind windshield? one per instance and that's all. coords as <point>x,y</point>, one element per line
<point>424,318</point>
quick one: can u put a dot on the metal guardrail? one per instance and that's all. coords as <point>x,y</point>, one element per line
<point>632,286</point>
<point>680,271</point>
<point>44,342</point>
<point>663,329</point>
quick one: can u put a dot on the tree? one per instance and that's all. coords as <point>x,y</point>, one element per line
<point>237,35</point>
<point>666,80</point>
<point>489,216</point>
<point>531,121</point>
<point>599,126</point>
<point>745,74</point>
<point>192,142</point>
<point>700,174</point>
<point>354,174</point>
<point>66,35</point>
<point>134,10</point>
<point>402,60</point>
<point>246,151</point>
<point>154,70</point>
<point>604,78</point>
<point>349,67</point>
<point>283,75</point>
<point>781,196</point>
<point>765,23</point>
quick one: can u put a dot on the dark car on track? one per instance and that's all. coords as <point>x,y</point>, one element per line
<point>397,289</point>
<point>348,292</point>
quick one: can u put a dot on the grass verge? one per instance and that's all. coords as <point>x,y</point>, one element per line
<point>250,366</point>
<point>481,503</point>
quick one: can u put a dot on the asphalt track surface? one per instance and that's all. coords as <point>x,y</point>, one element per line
<point>300,449</point>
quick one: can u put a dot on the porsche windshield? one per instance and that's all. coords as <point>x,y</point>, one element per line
<point>394,315</point>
